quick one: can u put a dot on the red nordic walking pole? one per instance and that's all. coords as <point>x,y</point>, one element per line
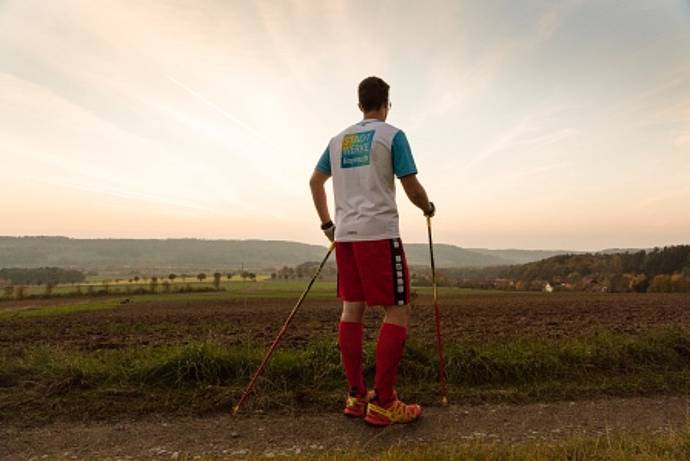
<point>437,314</point>
<point>282,331</point>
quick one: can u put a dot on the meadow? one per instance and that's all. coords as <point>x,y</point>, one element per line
<point>189,354</point>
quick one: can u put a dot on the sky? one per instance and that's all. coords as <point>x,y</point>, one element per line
<point>534,124</point>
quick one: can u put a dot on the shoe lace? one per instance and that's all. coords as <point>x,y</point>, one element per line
<point>401,410</point>
<point>353,401</point>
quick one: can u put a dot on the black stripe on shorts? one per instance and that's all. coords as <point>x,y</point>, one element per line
<point>399,287</point>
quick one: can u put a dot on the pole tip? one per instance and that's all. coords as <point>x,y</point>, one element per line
<point>235,410</point>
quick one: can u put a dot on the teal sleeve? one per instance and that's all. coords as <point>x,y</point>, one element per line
<point>403,163</point>
<point>324,165</point>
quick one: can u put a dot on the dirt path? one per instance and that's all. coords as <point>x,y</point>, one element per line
<point>270,435</point>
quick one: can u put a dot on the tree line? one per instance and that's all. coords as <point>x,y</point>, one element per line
<point>41,275</point>
<point>16,281</point>
<point>660,270</point>
<point>304,270</point>
<point>659,261</point>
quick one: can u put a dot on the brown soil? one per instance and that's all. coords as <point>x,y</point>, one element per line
<point>467,318</point>
<point>258,434</point>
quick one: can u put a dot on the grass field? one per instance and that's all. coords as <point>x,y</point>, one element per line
<point>175,355</point>
<point>59,358</point>
<point>675,446</point>
<point>616,448</point>
<point>117,286</point>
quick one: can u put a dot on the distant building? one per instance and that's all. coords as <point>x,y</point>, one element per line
<point>504,284</point>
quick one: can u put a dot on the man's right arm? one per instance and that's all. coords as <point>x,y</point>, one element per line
<point>416,193</point>
<point>318,192</point>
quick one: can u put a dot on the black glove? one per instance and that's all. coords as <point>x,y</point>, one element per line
<point>329,230</point>
<point>431,211</point>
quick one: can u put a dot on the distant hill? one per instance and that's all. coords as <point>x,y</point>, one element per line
<point>514,256</point>
<point>658,270</point>
<point>197,254</point>
<point>451,256</point>
<point>667,260</point>
<point>159,254</point>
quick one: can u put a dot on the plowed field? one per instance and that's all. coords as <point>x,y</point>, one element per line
<point>233,320</point>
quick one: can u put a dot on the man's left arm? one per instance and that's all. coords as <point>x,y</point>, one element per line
<point>406,170</point>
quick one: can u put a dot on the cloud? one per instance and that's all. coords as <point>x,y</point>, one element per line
<point>683,139</point>
<point>548,24</point>
<point>678,195</point>
<point>548,138</point>
<point>526,134</point>
<point>216,108</point>
<point>504,141</point>
<point>682,117</point>
<point>675,116</point>
<point>456,79</point>
<point>516,176</point>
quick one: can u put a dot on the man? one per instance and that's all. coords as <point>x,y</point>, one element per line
<point>372,269</point>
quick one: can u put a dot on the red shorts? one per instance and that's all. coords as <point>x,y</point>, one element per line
<point>373,271</point>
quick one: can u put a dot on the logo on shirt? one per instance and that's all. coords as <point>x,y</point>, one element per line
<point>356,149</point>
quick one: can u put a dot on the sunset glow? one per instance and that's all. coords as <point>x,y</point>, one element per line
<point>533,124</point>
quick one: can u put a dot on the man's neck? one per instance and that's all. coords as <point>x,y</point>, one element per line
<point>375,114</point>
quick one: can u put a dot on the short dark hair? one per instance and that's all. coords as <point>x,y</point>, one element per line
<point>373,93</point>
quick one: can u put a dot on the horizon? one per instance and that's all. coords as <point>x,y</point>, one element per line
<point>542,125</point>
<point>325,245</point>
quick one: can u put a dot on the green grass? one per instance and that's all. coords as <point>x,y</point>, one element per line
<point>235,289</point>
<point>517,371</point>
<point>250,290</point>
<point>280,289</point>
<point>232,291</point>
<point>615,447</point>
<point>48,311</point>
<point>236,285</point>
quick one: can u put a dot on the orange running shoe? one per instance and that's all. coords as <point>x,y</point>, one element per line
<point>394,412</point>
<point>356,406</point>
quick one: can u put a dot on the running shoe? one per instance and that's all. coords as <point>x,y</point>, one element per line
<point>394,412</point>
<point>356,406</point>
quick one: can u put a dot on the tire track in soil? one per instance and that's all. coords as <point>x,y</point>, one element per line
<point>270,435</point>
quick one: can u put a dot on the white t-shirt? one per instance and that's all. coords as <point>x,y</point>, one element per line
<point>362,161</point>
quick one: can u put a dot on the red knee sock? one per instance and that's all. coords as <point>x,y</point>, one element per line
<point>389,350</point>
<point>350,337</point>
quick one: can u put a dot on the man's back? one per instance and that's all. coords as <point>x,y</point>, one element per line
<point>372,269</point>
<point>363,160</point>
